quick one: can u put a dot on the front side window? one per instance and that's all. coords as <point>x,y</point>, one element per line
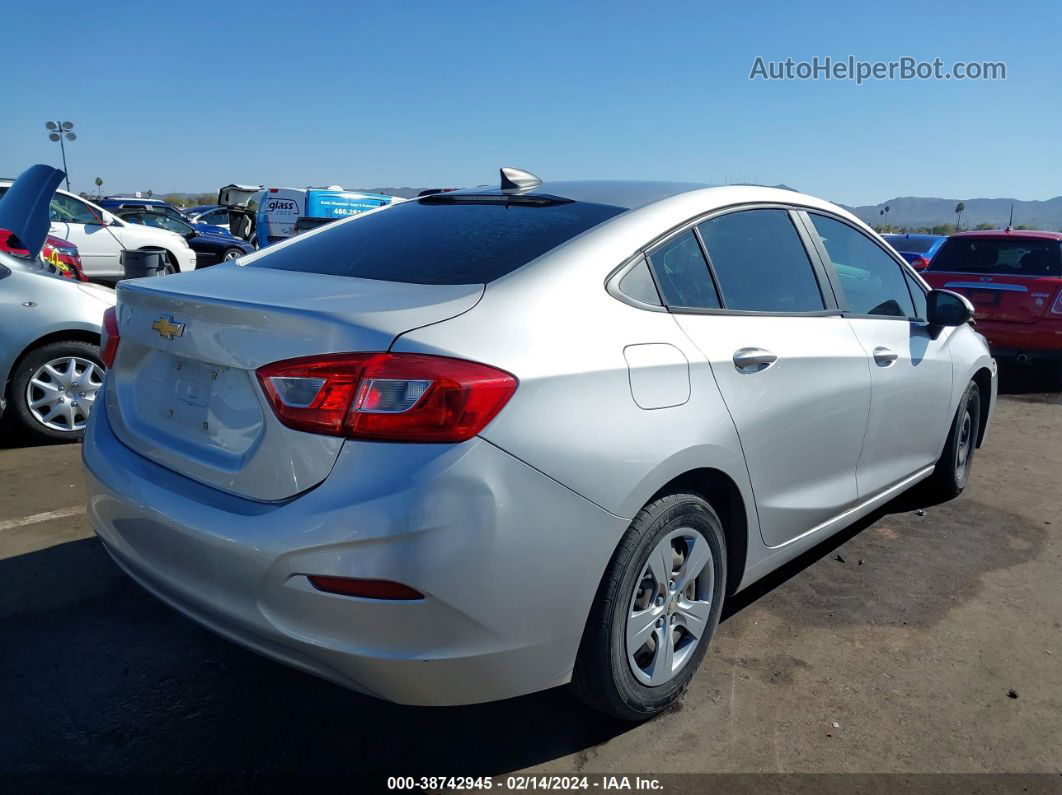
<point>872,281</point>
<point>68,210</point>
<point>761,263</point>
<point>683,274</point>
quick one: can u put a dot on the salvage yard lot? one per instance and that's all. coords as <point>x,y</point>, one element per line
<point>916,641</point>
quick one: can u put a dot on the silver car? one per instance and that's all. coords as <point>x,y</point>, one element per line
<point>50,366</point>
<point>497,440</point>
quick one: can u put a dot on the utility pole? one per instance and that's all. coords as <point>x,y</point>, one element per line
<point>57,131</point>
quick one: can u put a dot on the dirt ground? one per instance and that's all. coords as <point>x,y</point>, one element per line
<point>917,641</point>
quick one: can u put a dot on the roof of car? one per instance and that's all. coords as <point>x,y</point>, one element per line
<point>199,208</point>
<point>629,194</point>
<point>912,236</point>
<point>618,193</point>
<point>1003,234</point>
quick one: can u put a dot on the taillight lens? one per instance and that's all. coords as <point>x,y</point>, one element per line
<point>11,244</point>
<point>920,263</point>
<point>400,397</point>
<point>109,338</point>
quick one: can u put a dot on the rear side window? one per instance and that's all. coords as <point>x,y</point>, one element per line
<point>1014,257</point>
<point>761,263</point>
<point>683,274</point>
<point>872,281</point>
<point>424,242</point>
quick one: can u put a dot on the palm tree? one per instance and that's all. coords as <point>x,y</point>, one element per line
<point>99,187</point>
<point>958,213</point>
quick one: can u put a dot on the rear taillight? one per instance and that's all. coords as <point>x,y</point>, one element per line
<point>400,397</point>
<point>920,263</point>
<point>11,244</point>
<point>109,338</point>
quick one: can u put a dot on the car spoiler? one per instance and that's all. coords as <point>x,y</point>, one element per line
<point>24,207</point>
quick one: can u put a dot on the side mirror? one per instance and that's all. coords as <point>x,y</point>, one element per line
<point>945,308</point>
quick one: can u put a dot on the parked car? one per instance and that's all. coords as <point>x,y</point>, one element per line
<point>209,248</point>
<point>57,256</point>
<point>211,214</point>
<point>238,207</point>
<point>116,203</point>
<point>1014,280</point>
<point>61,256</point>
<point>50,363</point>
<point>916,249</point>
<point>494,440</point>
<point>100,237</point>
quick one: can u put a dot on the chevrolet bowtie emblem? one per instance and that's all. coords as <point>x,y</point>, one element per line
<point>167,328</point>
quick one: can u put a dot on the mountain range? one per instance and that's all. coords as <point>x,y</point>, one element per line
<point>917,211</point>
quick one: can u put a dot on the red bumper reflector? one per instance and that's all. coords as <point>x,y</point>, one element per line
<point>366,589</point>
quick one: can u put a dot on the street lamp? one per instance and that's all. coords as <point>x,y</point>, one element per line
<point>57,131</point>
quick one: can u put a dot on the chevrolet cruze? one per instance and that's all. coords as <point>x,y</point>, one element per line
<point>496,440</point>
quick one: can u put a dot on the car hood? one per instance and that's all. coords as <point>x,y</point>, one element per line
<point>24,206</point>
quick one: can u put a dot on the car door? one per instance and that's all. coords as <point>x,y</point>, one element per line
<point>910,364</point>
<point>791,371</point>
<point>75,221</point>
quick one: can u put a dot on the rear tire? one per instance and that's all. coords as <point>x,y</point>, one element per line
<point>645,637</point>
<point>952,472</point>
<point>53,389</point>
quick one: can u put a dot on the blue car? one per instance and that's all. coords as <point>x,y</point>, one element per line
<point>118,203</point>
<point>916,249</point>
<point>210,248</point>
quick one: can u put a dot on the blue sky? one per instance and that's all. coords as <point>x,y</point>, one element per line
<point>186,97</point>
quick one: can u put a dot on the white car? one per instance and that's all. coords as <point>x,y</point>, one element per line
<point>100,237</point>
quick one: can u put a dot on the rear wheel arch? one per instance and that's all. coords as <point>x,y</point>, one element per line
<point>65,335</point>
<point>723,494</point>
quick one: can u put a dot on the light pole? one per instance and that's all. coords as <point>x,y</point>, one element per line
<point>57,131</point>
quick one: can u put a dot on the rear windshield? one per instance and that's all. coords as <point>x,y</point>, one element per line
<point>915,245</point>
<point>1017,257</point>
<point>425,242</point>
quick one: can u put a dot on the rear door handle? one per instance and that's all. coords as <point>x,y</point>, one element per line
<point>884,357</point>
<point>753,360</point>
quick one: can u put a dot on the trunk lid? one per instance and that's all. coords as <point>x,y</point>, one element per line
<point>183,390</point>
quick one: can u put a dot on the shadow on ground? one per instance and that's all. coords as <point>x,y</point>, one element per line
<point>99,678</point>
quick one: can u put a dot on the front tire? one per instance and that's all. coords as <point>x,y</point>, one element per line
<point>53,389</point>
<point>656,610</point>
<point>952,471</point>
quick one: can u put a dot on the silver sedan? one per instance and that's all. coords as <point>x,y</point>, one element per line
<point>496,440</point>
<point>50,366</point>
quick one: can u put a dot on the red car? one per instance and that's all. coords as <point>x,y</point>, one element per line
<point>62,257</point>
<point>58,255</point>
<point>1014,280</point>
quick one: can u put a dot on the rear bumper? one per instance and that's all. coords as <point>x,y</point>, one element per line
<point>1041,340</point>
<point>509,561</point>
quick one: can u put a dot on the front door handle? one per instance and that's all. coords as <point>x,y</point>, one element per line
<point>753,360</point>
<point>884,357</point>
